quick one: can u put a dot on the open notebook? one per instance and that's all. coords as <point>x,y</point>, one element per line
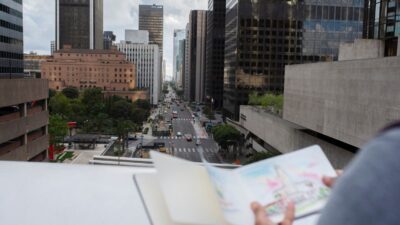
<point>182,192</point>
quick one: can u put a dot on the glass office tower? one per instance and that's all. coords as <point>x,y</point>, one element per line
<point>11,38</point>
<point>261,37</point>
<point>151,18</point>
<point>79,24</point>
<point>382,21</point>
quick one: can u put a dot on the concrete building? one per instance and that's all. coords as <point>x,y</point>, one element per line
<point>23,119</point>
<point>137,36</point>
<point>196,56</point>
<point>148,66</point>
<point>105,69</point>
<point>338,105</point>
<point>11,41</point>
<point>108,39</point>
<point>178,58</point>
<point>151,18</point>
<point>32,63</point>
<point>215,46</point>
<point>79,24</point>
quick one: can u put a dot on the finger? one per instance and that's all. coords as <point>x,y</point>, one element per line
<point>260,215</point>
<point>289,214</point>
<point>328,181</point>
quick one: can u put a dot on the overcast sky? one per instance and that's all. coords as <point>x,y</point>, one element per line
<point>39,21</point>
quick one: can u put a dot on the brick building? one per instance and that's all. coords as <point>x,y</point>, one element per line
<point>105,69</point>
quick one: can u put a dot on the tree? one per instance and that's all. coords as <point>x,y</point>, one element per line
<point>225,135</point>
<point>143,104</point>
<point>58,129</point>
<point>59,105</point>
<point>121,109</point>
<point>93,101</point>
<point>123,128</point>
<point>52,93</point>
<point>71,92</point>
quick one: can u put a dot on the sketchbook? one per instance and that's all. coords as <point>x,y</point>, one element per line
<point>189,193</point>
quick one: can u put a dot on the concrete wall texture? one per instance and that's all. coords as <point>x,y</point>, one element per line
<point>287,137</point>
<point>362,49</point>
<point>349,101</point>
<point>18,91</point>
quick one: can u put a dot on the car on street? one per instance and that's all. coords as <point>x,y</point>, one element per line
<point>188,137</point>
<point>179,134</point>
<point>198,142</point>
<point>132,138</point>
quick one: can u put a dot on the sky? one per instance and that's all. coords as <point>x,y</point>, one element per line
<point>39,21</point>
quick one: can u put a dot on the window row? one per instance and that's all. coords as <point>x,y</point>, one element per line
<point>10,26</point>
<point>9,40</point>
<point>10,11</point>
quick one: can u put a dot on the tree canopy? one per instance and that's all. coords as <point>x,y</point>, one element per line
<point>225,135</point>
<point>71,92</point>
<point>96,114</point>
<point>58,129</point>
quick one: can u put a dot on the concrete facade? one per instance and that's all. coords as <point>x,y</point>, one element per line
<point>23,119</point>
<point>349,101</point>
<point>286,137</point>
<point>362,49</point>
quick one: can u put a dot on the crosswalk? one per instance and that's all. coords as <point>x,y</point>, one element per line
<point>190,150</point>
<point>177,138</point>
<point>185,119</point>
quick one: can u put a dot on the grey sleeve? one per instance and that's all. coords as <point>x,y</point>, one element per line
<point>369,190</point>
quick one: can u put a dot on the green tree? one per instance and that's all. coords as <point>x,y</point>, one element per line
<point>52,93</point>
<point>93,101</point>
<point>122,129</point>
<point>60,105</point>
<point>143,104</point>
<point>225,135</point>
<point>58,129</point>
<point>71,92</point>
<point>121,109</point>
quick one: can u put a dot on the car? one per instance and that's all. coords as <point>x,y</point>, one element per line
<point>188,137</point>
<point>132,138</point>
<point>179,134</point>
<point>198,142</point>
<point>182,109</point>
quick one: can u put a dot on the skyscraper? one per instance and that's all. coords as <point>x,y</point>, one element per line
<point>264,36</point>
<point>151,18</point>
<point>215,51</point>
<point>11,55</point>
<point>79,24</point>
<point>181,68</point>
<point>382,21</point>
<point>109,38</point>
<point>179,35</point>
<point>196,56</point>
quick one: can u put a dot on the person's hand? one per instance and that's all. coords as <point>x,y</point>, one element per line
<point>262,218</point>
<point>330,181</point>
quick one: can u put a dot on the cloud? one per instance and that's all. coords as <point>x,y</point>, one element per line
<point>39,21</point>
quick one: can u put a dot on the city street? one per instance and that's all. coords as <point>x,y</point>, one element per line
<point>185,124</point>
